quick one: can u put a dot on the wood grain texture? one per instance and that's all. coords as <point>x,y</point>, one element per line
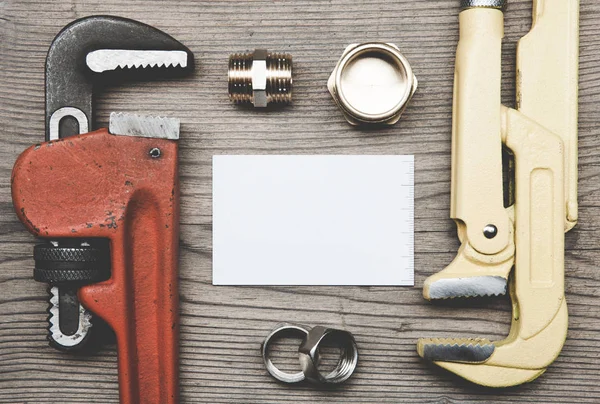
<point>222,327</point>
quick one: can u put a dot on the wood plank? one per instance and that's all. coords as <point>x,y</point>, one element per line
<point>222,327</point>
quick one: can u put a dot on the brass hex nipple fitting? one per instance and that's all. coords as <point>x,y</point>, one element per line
<point>260,78</point>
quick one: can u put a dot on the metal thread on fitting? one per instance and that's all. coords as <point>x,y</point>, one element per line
<point>496,4</point>
<point>260,78</point>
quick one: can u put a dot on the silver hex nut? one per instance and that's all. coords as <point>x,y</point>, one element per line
<point>372,83</point>
<point>310,356</point>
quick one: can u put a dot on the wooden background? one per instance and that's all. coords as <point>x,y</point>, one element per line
<point>222,327</point>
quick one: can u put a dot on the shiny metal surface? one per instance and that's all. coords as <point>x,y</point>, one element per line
<point>281,330</point>
<point>309,355</point>
<point>104,60</point>
<point>143,126</point>
<point>55,332</point>
<point>475,286</point>
<point>260,78</point>
<point>490,231</point>
<point>59,114</point>
<point>372,83</point>
<point>472,350</point>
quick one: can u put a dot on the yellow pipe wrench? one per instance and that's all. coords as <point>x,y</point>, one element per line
<point>528,235</point>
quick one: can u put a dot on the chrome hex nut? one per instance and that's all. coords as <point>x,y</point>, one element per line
<point>310,356</point>
<point>372,83</point>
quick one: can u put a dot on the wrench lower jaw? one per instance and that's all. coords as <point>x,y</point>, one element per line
<point>513,361</point>
<point>471,275</point>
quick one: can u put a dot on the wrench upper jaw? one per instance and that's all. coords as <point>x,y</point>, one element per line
<point>110,50</point>
<point>472,274</point>
<point>465,287</point>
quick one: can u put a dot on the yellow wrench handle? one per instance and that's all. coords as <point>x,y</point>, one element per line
<point>476,193</point>
<point>547,78</point>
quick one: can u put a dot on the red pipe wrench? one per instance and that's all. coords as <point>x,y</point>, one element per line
<point>107,204</point>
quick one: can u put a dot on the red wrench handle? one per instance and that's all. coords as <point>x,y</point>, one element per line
<point>140,303</point>
<point>101,185</point>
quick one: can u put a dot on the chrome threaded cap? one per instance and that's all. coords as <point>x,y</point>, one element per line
<point>496,4</point>
<point>372,83</point>
<point>260,78</point>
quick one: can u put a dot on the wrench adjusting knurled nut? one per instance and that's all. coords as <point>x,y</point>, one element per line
<point>497,4</point>
<point>310,356</point>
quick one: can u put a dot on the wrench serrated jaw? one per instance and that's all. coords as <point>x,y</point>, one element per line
<point>104,60</point>
<point>465,287</point>
<point>471,274</point>
<point>469,350</point>
<point>143,126</point>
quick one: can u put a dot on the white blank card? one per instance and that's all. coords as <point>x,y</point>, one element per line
<point>313,220</point>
